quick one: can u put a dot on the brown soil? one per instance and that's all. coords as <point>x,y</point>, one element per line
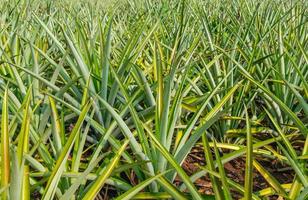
<point>235,170</point>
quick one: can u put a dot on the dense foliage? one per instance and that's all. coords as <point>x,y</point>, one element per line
<point>109,98</point>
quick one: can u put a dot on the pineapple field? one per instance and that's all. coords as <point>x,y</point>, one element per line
<point>154,99</point>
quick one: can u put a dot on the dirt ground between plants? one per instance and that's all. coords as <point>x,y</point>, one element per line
<point>235,170</point>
